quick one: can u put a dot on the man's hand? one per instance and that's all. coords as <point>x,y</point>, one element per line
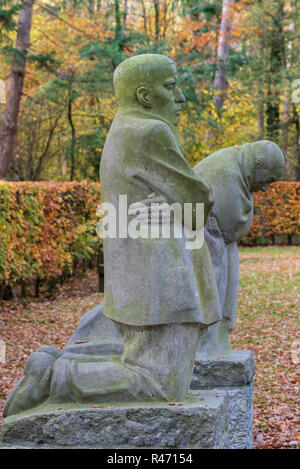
<point>150,210</point>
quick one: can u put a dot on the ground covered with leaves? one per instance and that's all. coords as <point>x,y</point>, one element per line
<point>268,318</point>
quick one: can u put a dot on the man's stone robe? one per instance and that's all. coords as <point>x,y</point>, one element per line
<point>154,281</point>
<point>162,295</point>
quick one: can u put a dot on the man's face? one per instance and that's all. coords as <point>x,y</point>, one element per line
<point>264,176</point>
<point>165,97</point>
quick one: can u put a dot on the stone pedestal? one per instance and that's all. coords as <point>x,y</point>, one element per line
<point>218,413</point>
<point>200,422</point>
<point>232,375</point>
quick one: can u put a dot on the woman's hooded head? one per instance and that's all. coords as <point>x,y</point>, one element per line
<point>234,174</point>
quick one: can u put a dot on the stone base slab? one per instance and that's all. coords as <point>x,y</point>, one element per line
<point>234,370</point>
<point>219,414</point>
<point>233,375</point>
<point>200,422</point>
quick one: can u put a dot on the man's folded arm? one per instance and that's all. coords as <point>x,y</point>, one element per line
<point>164,169</point>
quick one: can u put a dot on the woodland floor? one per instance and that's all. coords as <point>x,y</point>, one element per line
<point>268,323</point>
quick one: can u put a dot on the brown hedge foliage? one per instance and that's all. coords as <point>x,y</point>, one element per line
<point>46,227</point>
<point>276,217</point>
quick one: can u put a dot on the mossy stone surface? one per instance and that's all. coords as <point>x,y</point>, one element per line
<point>200,422</point>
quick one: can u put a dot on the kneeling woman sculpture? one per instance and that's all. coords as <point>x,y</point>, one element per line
<point>234,173</point>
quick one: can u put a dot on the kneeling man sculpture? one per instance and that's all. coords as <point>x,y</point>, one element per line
<point>160,298</point>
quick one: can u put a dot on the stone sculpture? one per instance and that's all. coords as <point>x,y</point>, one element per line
<point>159,295</point>
<point>161,300</point>
<point>235,173</point>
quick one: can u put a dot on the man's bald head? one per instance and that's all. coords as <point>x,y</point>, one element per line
<point>140,70</point>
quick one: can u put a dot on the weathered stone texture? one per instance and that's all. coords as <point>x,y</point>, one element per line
<point>234,376</point>
<point>201,422</point>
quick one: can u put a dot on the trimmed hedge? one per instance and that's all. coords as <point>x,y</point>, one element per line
<point>46,228</point>
<point>276,217</point>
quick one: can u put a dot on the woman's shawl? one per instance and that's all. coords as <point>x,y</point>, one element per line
<point>231,173</point>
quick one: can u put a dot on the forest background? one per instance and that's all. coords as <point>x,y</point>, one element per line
<point>238,64</point>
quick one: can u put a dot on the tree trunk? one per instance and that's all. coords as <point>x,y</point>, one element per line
<point>9,118</point>
<point>144,17</point>
<point>156,10</point>
<point>261,113</point>
<point>286,100</point>
<point>296,141</point>
<point>91,8</point>
<point>165,19</point>
<point>72,151</point>
<point>118,26</point>
<point>277,61</point>
<point>287,111</point>
<point>125,12</point>
<point>220,83</point>
<point>37,173</point>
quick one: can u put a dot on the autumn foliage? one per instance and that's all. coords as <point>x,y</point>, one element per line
<point>276,216</point>
<point>46,228</point>
<point>68,101</point>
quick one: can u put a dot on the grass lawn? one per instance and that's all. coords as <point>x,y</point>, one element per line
<point>267,324</point>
